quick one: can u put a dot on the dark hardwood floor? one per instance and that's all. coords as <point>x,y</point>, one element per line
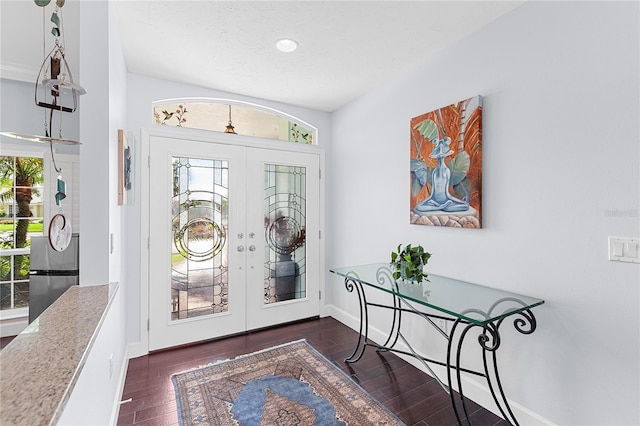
<point>4,341</point>
<point>415,397</point>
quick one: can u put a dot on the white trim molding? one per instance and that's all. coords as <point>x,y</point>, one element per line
<point>19,72</point>
<point>13,325</point>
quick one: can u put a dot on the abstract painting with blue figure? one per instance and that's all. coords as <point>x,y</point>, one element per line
<point>446,166</point>
<point>440,198</point>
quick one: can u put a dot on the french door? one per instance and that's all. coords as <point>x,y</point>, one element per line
<point>234,241</point>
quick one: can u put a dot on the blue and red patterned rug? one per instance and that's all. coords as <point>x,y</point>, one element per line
<point>291,384</point>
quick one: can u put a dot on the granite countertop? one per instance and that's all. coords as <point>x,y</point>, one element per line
<point>39,368</point>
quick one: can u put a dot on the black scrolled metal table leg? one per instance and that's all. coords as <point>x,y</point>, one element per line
<point>382,275</point>
<point>358,351</point>
<point>458,369</point>
<point>490,341</point>
<point>450,366</point>
<point>525,325</point>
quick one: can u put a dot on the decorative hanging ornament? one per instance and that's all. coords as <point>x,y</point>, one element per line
<point>62,191</point>
<point>55,89</point>
<point>59,227</point>
<point>43,3</point>
<point>55,74</point>
<point>55,80</point>
<point>59,232</point>
<point>230,128</point>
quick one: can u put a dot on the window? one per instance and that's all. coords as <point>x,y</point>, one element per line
<point>246,119</point>
<point>21,216</point>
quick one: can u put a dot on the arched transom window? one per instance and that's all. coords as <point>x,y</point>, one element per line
<point>224,115</point>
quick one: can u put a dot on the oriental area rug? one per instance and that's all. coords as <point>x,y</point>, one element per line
<point>291,384</point>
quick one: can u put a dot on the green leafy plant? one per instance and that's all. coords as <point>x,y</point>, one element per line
<point>408,262</point>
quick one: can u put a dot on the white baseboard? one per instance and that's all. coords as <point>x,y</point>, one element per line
<point>475,390</point>
<point>137,349</point>
<point>121,380</point>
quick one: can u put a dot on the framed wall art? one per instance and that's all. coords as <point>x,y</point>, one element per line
<point>446,166</point>
<point>124,167</point>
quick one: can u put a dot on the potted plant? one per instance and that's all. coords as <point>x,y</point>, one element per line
<point>408,263</point>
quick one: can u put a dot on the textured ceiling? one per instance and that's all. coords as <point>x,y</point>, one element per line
<point>346,47</point>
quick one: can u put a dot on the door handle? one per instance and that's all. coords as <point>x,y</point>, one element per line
<point>240,249</point>
<point>252,248</point>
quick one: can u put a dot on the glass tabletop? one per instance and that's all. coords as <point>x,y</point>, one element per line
<point>471,302</point>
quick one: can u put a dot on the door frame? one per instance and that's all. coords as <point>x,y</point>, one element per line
<point>218,138</point>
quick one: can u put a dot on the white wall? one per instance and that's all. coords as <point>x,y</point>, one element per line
<point>95,196</point>
<point>102,111</point>
<point>561,173</point>
<point>142,91</point>
<point>117,120</point>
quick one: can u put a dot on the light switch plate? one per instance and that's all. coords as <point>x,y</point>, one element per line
<point>622,249</point>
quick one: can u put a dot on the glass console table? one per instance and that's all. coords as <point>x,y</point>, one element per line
<point>464,305</point>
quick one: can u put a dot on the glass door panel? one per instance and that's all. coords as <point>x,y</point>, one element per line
<point>199,249</point>
<point>285,233</point>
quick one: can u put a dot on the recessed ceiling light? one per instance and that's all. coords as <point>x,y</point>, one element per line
<point>286,45</point>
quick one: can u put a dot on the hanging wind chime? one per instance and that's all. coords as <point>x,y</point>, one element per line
<point>55,91</point>
<point>55,74</point>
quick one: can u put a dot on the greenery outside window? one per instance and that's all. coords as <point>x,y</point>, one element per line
<point>21,216</point>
